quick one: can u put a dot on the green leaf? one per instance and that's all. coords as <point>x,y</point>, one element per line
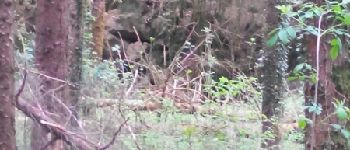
<point>298,68</point>
<point>284,8</point>
<point>313,78</point>
<point>346,19</point>
<point>223,80</point>
<point>315,108</point>
<point>336,8</point>
<point>346,133</point>
<point>311,29</point>
<point>188,131</point>
<point>341,112</point>
<point>309,14</point>
<point>283,36</point>
<point>293,78</point>
<point>272,41</point>
<point>221,136</point>
<point>291,32</point>
<point>335,48</point>
<point>302,123</point>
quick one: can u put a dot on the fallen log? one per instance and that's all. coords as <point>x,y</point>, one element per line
<point>49,124</point>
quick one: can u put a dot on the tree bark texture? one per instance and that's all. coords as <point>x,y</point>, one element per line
<point>325,98</point>
<point>318,135</point>
<point>7,82</point>
<point>273,81</point>
<point>98,27</point>
<point>52,57</point>
<point>75,49</point>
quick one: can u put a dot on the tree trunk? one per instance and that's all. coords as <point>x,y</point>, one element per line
<point>273,80</point>
<point>318,135</point>
<point>98,27</point>
<point>76,31</point>
<point>53,58</point>
<point>7,82</point>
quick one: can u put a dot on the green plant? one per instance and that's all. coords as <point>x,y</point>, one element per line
<point>232,88</point>
<point>309,19</point>
<point>298,23</point>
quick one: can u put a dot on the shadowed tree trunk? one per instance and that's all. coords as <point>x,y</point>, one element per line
<point>318,135</point>
<point>272,77</point>
<point>7,82</point>
<point>98,27</point>
<point>58,55</point>
<point>75,49</point>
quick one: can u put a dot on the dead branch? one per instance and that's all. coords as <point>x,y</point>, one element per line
<point>115,135</point>
<point>71,138</point>
<point>46,122</point>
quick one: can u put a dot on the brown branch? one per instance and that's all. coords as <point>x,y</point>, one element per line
<point>115,136</point>
<point>47,123</point>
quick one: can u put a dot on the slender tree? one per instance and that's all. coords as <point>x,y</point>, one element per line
<point>272,77</point>
<point>7,101</point>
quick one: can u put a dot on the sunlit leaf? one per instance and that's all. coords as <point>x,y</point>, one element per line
<point>341,112</point>
<point>284,8</point>
<point>335,48</point>
<point>293,78</point>
<point>336,8</point>
<point>346,19</point>
<point>223,80</point>
<point>188,131</point>
<point>302,123</point>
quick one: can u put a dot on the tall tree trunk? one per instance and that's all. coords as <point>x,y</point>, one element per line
<point>318,135</point>
<point>273,80</point>
<point>98,27</point>
<point>58,55</point>
<point>7,83</point>
<point>76,31</point>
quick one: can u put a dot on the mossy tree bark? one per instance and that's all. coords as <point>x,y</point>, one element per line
<point>7,82</point>
<point>273,81</point>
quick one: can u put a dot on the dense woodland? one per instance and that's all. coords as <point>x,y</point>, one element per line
<point>174,74</point>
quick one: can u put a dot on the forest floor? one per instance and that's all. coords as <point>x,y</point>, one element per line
<point>235,125</point>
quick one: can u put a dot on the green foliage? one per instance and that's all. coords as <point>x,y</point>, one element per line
<point>232,88</point>
<point>298,23</point>
<point>303,72</point>
<point>302,122</point>
<point>335,48</point>
<point>314,108</point>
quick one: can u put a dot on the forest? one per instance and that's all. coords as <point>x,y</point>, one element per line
<point>174,74</point>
